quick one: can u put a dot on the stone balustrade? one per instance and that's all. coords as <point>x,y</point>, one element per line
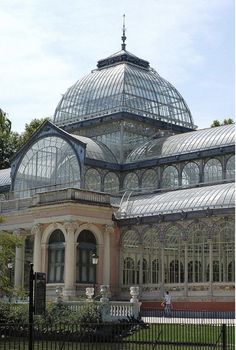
<point>61,195</point>
<point>110,310</point>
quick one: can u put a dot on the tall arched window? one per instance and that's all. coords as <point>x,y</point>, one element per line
<point>230,168</point>
<point>212,170</point>
<point>174,256</point>
<point>170,177</point>
<point>92,180</point>
<point>190,174</point>
<point>130,252</point>
<point>56,257</point>
<point>111,183</point>
<point>198,253</point>
<point>85,270</point>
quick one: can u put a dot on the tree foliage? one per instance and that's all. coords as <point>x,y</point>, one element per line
<point>11,141</point>
<point>226,121</point>
<point>30,129</point>
<point>8,243</point>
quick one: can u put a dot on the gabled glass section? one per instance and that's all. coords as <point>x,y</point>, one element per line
<point>50,163</point>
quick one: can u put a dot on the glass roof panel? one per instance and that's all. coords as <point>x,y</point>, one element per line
<point>194,199</point>
<point>184,143</point>
<point>123,86</point>
<point>96,150</point>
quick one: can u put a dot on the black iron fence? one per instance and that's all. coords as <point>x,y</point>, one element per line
<point>127,335</point>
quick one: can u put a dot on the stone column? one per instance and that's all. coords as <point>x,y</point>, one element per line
<point>19,262</point>
<point>69,280</point>
<point>106,251</point>
<point>37,255</point>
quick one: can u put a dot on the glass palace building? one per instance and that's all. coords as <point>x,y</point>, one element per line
<point>121,171</point>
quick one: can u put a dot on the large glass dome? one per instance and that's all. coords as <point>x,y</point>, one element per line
<point>123,83</point>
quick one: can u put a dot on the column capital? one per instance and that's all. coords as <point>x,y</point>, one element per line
<point>36,229</point>
<point>109,229</point>
<point>70,226</point>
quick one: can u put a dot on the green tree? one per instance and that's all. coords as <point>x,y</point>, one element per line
<point>9,141</point>
<point>8,243</point>
<point>31,128</point>
<point>226,121</point>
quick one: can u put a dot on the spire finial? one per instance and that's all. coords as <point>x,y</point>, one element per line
<point>123,45</point>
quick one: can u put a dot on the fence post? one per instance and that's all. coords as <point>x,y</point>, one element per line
<point>31,306</point>
<point>224,338</point>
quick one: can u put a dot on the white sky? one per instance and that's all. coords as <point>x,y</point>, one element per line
<point>47,45</point>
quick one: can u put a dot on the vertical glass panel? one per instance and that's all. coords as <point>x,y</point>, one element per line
<point>131,182</point>
<point>111,183</point>
<point>128,271</point>
<point>92,180</point>
<point>190,174</point>
<point>170,177</point>
<point>149,180</point>
<point>230,168</point>
<point>212,170</point>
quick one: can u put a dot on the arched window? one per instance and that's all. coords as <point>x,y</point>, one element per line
<point>92,180</point>
<point>230,168</point>
<point>128,271</point>
<point>170,177</point>
<point>131,182</point>
<point>49,162</point>
<point>198,253</point>
<point>212,170</point>
<point>149,180</point>
<point>174,256</point>
<point>56,257</point>
<point>111,183</point>
<point>190,174</point>
<point>85,270</point>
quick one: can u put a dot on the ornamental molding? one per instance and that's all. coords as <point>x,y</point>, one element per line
<point>70,226</point>
<point>36,229</point>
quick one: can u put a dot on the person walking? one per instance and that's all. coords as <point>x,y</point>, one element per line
<point>167,304</point>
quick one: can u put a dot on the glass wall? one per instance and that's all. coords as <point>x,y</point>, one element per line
<point>111,183</point>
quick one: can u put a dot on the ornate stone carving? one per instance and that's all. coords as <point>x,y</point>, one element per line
<point>70,226</point>
<point>36,229</point>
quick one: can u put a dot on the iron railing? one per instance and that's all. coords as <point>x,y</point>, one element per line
<point>172,333</point>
